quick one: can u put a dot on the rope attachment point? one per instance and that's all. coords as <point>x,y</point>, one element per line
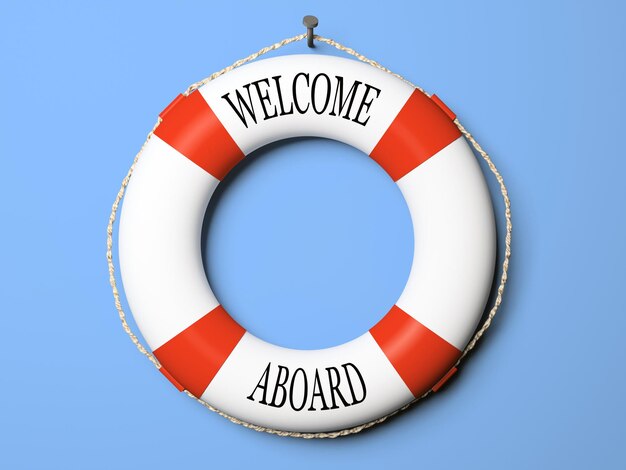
<point>310,22</point>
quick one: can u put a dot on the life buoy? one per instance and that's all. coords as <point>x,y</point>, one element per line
<point>415,345</point>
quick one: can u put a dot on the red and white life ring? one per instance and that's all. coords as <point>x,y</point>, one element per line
<point>412,348</point>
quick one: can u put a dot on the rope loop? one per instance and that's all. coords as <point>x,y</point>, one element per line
<point>479,333</point>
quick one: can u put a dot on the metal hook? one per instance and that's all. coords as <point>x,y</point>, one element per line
<point>310,22</point>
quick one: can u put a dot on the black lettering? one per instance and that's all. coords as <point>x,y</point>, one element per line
<point>264,97</point>
<point>313,94</point>
<point>263,387</point>
<point>334,387</point>
<point>280,385</point>
<point>339,97</point>
<point>299,394</point>
<point>354,398</point>
<point>295,94</point>
<point>317,385</point>
<point>366,104</point>
<point>280,98</point>
<point>242,104</point>
<point>304,388</point>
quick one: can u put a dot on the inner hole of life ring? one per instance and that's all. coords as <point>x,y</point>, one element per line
<point>307,243</point>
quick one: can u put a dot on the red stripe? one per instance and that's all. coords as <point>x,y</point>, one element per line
<point>420,130</point>
<point>420,356</point>
<point>191,127</point>
<point>195,355</point>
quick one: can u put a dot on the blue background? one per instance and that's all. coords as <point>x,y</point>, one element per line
<point>314,224</point>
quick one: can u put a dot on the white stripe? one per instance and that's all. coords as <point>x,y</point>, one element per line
<point>159,238</point>
<point>242,371</point>
<point>383,110</point>
<point>454,255</point>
